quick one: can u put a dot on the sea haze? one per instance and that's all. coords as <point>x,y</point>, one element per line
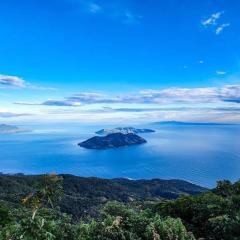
<point>201,154</point>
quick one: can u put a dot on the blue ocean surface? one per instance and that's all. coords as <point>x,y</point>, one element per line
<point>200,154</point>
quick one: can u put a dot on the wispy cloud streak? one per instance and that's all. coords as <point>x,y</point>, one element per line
<point>12,81</point>
<point>213,21</point>
<point>12,115</point>
<point>9,81</point>
<point>221,27</point>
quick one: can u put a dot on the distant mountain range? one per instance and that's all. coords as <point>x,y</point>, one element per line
<point>5,129</point>
<point>190,123</point>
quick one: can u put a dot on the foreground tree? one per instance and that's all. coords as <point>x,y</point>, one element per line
<point>34,221</point>
<point>120,222</point>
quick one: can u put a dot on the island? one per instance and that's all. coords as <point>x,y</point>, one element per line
<point>6,129</point>
<point>113,140</point>
<point>124,130</point>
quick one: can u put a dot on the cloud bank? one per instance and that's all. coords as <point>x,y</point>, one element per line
<point>227,93</point>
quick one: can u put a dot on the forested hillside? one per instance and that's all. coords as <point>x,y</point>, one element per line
<point>82,196</point>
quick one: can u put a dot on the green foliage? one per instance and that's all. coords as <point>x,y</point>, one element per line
<point>168,229</point>
<point>45,226</point>
<point>48,191</point>
<point>120,222</point>
<point>84,196</point>
<point>37,222</point>
<point>5,216</point>
<point>214,215</point>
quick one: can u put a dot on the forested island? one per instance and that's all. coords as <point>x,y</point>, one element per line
<point>67,207</point>
<point>113,140</point>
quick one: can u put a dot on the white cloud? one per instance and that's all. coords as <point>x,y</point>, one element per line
<point>129,17</point>
<point>94,8</point>
<point>212,20</point>
<point>191,113</point>
<point>201,62</point>
<point>230,93</point>
<point>12,81</point>
<point>221,72</point>
<point>8,81</point>
<point>61,103</point>
<point>180,95</point>
<point>111,11</point>
<point>221,27</point>
<point>92,98</point>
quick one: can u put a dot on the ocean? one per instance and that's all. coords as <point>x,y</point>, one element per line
<point>202,154</point>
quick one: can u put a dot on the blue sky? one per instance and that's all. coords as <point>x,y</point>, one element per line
<point>120,59</point>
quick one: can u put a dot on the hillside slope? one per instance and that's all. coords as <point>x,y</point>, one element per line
<point>82,196</point>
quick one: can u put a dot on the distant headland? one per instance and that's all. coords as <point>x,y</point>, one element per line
<point>9,129</point>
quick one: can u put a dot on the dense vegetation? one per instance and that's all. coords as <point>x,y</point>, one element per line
<point>84,196</point>
<point>211,215</point>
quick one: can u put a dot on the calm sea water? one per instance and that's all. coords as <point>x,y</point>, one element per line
<point>200,154</point>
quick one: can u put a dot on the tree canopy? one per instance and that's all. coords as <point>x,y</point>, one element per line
<point>214,215</point>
